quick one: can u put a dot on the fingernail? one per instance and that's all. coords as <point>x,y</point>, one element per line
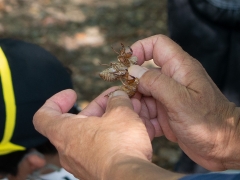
<point>118,93</point>
<point>137,71</point>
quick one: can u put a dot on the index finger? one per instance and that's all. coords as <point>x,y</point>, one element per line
<point>160,48</point>
<point>168,55</point>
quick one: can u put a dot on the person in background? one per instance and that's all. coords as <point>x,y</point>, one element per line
<point>111,137</point>
<point>209,30</point>
<point>29,75</point>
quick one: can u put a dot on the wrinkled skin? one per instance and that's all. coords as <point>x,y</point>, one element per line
<point>179,101</point>
<point>189,108</point>
<point>87,143</point>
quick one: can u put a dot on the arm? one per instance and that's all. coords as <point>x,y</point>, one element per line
<point>111,137</point>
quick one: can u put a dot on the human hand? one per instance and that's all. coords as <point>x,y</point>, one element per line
<point>187,106</point>
<point>91,142</point>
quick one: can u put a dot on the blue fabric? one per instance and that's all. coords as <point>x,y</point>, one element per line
<point>212,176</point>
<point>226,13</point>
<point>226,4</point>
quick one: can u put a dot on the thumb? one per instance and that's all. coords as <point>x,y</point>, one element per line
<point>49,115</point>
<point>152,82</point>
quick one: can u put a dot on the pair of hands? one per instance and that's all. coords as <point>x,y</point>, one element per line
<point>178,100</point>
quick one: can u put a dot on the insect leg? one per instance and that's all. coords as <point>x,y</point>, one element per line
<point>115,50</point>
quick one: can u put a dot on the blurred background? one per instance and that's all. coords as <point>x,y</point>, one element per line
<point>80,34</point>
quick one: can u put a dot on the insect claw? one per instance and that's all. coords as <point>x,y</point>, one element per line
<point>130,49</point>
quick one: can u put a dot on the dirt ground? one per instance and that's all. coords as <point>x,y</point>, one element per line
<point>81,32</point>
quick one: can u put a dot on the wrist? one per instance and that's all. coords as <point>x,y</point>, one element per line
<point>116,164</point>
<point>231,158</point>
<point>131,168</point>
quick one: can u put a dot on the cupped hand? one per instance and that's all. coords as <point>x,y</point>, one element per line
<point>89,143</point>
<point>187,106</point>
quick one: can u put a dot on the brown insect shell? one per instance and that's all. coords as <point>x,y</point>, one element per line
<point>127,61</point>
<point>130,88</point>
<point>119,66</point>
<point>115,72</point>
<point>121,70</point>
<point>108,74</point>
<point>124,61</point>
<point>118,71</point>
